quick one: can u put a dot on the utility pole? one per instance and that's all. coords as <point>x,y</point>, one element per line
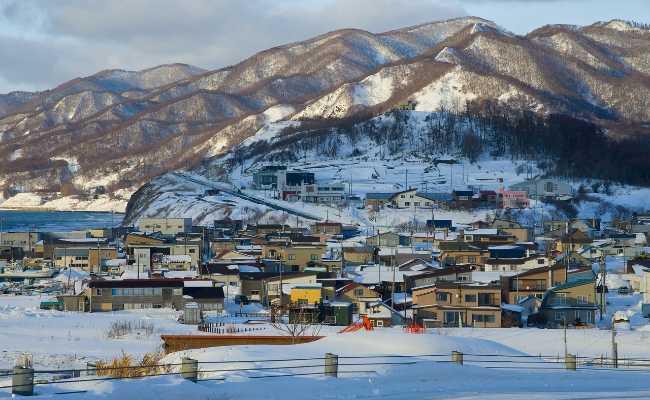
<point>614,346</point>
<point>566,349</point>
<point>603,297</point>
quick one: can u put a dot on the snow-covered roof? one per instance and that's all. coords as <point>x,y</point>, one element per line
<point>205,283</point>
<point>180,274</point>
<point>243,268</point>
<point>179,258</point>
<point>483,231</point>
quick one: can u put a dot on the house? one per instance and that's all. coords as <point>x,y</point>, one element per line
<point>306,293</point>
<point>487,237</point>
<point>573,303</point>
<point>388,239</point>
<point>227,225</point>
<point>204,293</point>
<point>413,199</point>
<point>360,255</point>
<point>442,224</point>
<point>294,256</point>
<point>125,294</point>
<point>513,258</point>
<point>463,198</point>
<point>166,226</point>
<point>573,241</point>
<point>488,197</point>
<point>513,199</point>
<point>25,240</point>
<point>377,201</point>
<point>534,282</point>
<point>453,252</point>
<point>458,304</point>
<point>90,258</point>
<point>265,287</point>
<point>544,188</point>
<point>359,295</point>
<point>382,315</point>
<point>277,288</point>
<point>457,273</point>
<point>327,228</point>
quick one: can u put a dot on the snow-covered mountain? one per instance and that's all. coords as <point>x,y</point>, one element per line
<point>115,130</point>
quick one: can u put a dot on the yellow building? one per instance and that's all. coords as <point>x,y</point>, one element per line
<point>297,257</point>
<point>306,294</point>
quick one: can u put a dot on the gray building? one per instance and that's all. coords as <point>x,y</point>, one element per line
<point>544,188</point>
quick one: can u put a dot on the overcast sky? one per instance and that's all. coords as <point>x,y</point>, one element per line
<point>45,42</point>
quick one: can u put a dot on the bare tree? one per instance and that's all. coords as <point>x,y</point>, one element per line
<point>296,321</point>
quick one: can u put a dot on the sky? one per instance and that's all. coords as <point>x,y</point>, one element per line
<point>44,43</point>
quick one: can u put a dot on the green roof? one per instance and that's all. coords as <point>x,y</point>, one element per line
<point>572,284</point>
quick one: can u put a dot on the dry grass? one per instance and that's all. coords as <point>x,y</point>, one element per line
<point>125,366</point>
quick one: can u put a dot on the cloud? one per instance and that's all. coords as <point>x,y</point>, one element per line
<point>49,42</point>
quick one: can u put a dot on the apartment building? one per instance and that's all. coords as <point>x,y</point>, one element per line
<point>458,304</point>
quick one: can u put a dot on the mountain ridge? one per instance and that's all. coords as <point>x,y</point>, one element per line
<point>135,125</point>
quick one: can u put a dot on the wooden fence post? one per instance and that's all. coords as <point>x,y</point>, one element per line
<point>331,365</point>
<point>190,369</point>
<point>570,362</point>
<point>22,381</point>
<point>457,357</point>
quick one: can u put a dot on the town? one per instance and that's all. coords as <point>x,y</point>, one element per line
<point>486,274</point>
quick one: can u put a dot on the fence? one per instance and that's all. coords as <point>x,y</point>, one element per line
<point>226,329</point>
<point>331,365</point>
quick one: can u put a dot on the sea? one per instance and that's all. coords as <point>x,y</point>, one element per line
<point>56,221</point>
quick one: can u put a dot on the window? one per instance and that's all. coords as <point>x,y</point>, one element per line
<point>583,300</point>
<point>548,186</point>
<point>380,323</point>
<point>178,292</point>
<point>401,196</point>
<point>192,251</point>
<point>470,298</point>
<point>358,292</point>
<point>407,204</point>
<point>471,259</point>
<point>314,257</point>
<point>560,298</point>
<point>484,318</point>
<point>559,316</point>
<point>541,261</point>
<point>99,292</point>
<point>485,299</point>
<point>416,204</point>
<point>428,203</point>
<point>117,292</point>
<point>291,257</point>
<point>442,296</point>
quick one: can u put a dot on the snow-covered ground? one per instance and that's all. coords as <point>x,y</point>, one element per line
<point>422,380</point>
<point>34,201</point>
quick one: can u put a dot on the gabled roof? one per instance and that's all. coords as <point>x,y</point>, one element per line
<point>435,196</point>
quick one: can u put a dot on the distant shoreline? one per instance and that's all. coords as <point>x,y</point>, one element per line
<point>46,210</point>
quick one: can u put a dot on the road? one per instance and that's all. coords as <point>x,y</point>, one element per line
<point>238,193</point>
